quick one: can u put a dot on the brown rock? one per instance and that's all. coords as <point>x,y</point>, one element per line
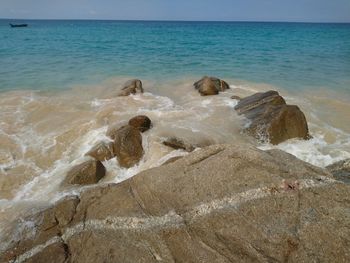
<point>210,86</point>
<point>341,170</point>
<point>37,229</point>
<point>54,253</point>
<point>235,97</point>
<point>141,122</point>
<point>113,130</point>
<point>224,203</point>
<point>177,143</point>
<point>271,119</point>
<point>173,159</point>
<point>131,87</point>
<point>88,172</point>
<point>128,146</point>
<point>102,151</point>
<point>259,99</point>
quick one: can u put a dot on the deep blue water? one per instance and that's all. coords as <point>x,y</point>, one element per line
<point>59,54</point>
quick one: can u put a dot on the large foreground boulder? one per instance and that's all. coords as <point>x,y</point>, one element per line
<point>88,172</point>
<point>272,119</point>
<point>219,204</point>
<point>210,86</point>
<point>341,170</point>
<point>128,146</point>
<point>131,87</point>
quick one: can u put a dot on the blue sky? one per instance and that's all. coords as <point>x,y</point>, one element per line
<point>217,10</point>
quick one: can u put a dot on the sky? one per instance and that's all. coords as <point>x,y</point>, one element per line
<point>198,10</point>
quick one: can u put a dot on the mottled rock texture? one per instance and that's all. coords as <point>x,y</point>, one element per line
<point>341,170</point>
<point>128,146</point>
<point>223,203</point>
<point>210,86</point>
<point>131,87</point>
<point>102,151</point>
<point>88,172</point>
<point>272,119</point>
<point>177,143</point>
<point>141,122</point>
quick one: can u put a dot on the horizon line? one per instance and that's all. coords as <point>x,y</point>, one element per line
<point>177,20</point>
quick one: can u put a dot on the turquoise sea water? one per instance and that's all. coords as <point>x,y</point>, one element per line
<point>61,54</point>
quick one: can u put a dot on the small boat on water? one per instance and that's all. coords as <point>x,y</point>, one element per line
<point>18,25</point>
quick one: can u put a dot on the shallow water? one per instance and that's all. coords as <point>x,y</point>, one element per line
<point>44,133</point>
<point>58,94</point>
<point>60,54</point>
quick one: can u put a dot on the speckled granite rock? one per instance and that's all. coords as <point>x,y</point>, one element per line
<point>223,203</point>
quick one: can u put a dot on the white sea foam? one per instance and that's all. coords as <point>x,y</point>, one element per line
<point>46,154</point>
<point>315,151</point>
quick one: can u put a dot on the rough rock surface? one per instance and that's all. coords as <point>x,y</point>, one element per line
<point>88,172</point>
<point>235,97</point>
<point>177,143</point>
<point>113,130</point>
<point>131,87</point>
<point>341,170</point>
<point>272,119</point>
<point>210,86</point>
<point>128,146</point>
<point>141,122</point>
<point>102,151</point>
<point>173,159</point>
<point>224,203</point>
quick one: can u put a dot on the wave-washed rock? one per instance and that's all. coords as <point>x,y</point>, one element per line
<point>127,146</point>
<point>131,87</point>
<point>210,86</point>
<point>141,122</point>
<point>102,151</point>
<point>272,119</point>
<point>341,170</point>
<point>223,203</point>
<point>88,172</point>
<point>177,143</point>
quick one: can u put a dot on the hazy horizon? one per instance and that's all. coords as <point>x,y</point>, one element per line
<point>159,20</point>
<point>307,11</point>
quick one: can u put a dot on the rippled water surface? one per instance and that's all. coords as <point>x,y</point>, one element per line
<point>56,54</point>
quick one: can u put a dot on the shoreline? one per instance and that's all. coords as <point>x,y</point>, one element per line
<point>60,128</point>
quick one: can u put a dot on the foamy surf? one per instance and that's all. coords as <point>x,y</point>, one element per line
<point>44,134</point>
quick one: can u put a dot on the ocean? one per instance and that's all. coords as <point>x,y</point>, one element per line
<point>61,54</point>
<point>59,81</point>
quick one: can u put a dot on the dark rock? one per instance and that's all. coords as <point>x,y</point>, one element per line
<point>210,86</point>
<point>341,170</point>
<point>131,87</point>
<point>128,146</point>
<point>141,122</point>
<point>224,203</point>
<point>272,119</point>
<point>259,99</point>
<point>88,172</point>
<point>235,97</point>
<point>177,143</point>
<point>102,151</point>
